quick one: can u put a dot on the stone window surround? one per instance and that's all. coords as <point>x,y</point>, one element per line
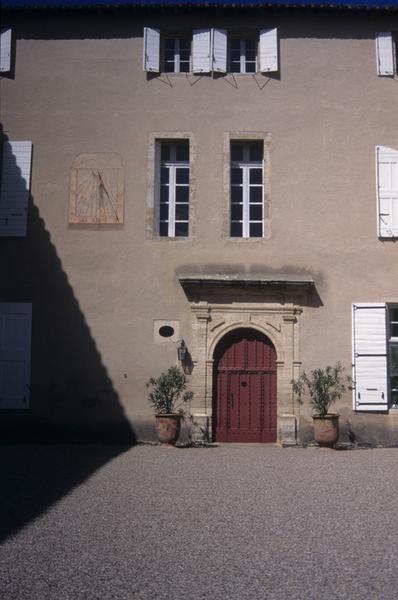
<point>279,322</point>
<point>152,195</point>
<point>247,136</point>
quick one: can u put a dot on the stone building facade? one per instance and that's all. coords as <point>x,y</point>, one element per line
<point>189,173</point>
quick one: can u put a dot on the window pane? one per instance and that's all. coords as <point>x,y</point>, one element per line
<point>236,152</point>
<point>235,44</point>
<point>236,212</point>
<point>169,67</point>
<point>236,194</point>
<point>236,229</point>
<point>164,212</point>
<point>256,212</point>
<point>250,44</point>
<point>250,55</point>
<point>394,360</point>
<point>394,314</point>
<point>182,193</point>
<point>394,399</point>
<point>184,67</point>
<point>182,212</point>
<point>185,44</point>
<point>181,229</point>
<point>182,151</point>
<point>169,55</point>
<point>164,194</point>
<point>256,230</point>
<point>169,44</point>
<point>163,228</point>
<point>256,151</point>
<point>250,67</point>
<point>236,176</point>
<point>182,175</point>
<point>165,152</point>
<point>394,330</point>
<point>256,194</point>
<point>164,175</point>
<point>256,176</point>
<point>235,67</point>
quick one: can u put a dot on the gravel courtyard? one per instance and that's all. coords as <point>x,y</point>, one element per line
<point>233,522</point>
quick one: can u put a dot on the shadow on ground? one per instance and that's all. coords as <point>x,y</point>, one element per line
<point>34,477</point>
<point>72,397</point>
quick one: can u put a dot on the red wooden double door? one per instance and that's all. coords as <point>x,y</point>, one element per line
<point>245,380</point>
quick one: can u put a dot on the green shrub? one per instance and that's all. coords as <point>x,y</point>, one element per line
<point>169,391</point>
<point>324,387</point>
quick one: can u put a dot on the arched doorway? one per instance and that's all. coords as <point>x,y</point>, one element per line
<point>245,388</point>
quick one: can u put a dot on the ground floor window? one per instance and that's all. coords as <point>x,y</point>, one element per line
<point>393,354</point>
<point>375,356</point>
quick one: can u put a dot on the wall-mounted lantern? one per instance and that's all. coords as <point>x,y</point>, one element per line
<point>182,352</point>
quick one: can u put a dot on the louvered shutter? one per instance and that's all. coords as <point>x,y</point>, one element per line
<point>369,357</point>
<point>201,51</point>
<point>269,50</point>
<point>219,43</point>
<point>14,188</point>
<point>385,53</point>
<point>387,191</point>
<point>15,335</point>
<point>5,50</point>
<point>151,57</point>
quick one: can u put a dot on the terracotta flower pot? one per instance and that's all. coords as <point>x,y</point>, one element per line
<point>326,429</point>
<point>168,428</point>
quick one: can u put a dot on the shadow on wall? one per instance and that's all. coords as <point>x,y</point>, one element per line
<point>72,396</point>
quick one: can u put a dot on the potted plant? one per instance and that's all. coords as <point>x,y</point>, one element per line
<point>168,394</point>
<point>324,387</point>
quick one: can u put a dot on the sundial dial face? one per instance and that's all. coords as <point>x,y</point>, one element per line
<point>96,189</point>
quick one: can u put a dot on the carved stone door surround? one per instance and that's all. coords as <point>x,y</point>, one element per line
<point>273,310</point>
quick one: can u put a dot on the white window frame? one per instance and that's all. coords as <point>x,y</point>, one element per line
<point>172,165</point>
<point>246,165</point>
<point>391,341</point>
<point>177,50</point>
<point>242,47</point>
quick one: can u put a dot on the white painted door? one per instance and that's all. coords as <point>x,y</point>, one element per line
<point>15,336</point>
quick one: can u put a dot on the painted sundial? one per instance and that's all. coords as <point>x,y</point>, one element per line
<point>96,189</point>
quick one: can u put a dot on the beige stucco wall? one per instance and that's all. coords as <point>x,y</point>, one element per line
<point>78,87</point>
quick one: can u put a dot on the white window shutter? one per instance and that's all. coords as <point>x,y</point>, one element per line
<point>151,51</point>
<point>385,53</point>
<point>5,50</point>
<point>219,43</point>
<point>269,50</point>
<point>201,51</point>
<point>14,188</point>
<point>369,357</point>
<point>387,191</point>
<point>15,337</point>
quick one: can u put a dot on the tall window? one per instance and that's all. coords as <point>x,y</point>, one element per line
<point>242,55</point>
<point>176,55</point>
<point>393,354</point>
<point>247,189</point>
<point>174,188</point>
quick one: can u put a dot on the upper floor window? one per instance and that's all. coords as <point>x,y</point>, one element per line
<point>243,55</point>
<point>387,191</point>
<point>387,53</point>
<point>176,54</point>
<point>210,52</point>
<point>247,189</point>
<point>174,188</point>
